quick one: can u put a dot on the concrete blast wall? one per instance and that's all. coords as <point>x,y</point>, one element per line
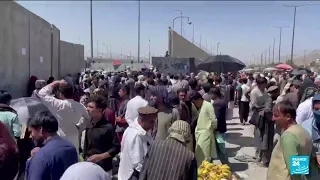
<point>182,48</point>
<point>30,46</point>
<point>72,58</point>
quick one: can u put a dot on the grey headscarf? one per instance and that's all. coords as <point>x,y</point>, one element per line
<point>180,130</point>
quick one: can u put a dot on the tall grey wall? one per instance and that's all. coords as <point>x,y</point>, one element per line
<point>182,48</point>
<point>71,58</point>
<point>29,45</point>
<point>14,48</point>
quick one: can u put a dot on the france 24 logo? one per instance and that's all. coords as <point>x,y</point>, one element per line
<point>299,165</point>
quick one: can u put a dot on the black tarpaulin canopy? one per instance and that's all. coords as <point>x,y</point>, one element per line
<point>221,64</point>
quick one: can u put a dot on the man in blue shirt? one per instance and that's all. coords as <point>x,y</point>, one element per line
<point>57,154</point>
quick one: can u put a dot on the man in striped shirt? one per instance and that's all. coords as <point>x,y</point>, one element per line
<point>170,159</point>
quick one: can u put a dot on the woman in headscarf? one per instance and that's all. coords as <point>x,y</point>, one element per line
<point>85,171</point>
<point>31,85</point>
<point>9,162</point>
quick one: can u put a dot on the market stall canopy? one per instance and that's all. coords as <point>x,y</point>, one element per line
<point>300,71</point>
<point>284,67</point>
<point>221,64</point>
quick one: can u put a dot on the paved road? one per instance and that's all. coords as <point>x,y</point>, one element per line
<point>239,141</point>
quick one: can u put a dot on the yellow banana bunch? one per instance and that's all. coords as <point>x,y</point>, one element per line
<point>211,171</point>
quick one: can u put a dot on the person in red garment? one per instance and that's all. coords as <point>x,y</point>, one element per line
<point>121,123</point>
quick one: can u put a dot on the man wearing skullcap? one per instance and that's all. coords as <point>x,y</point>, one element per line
<point>135,143</point>
<point>171,151</point>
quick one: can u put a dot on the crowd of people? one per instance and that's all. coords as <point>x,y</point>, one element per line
<point>159,127</point>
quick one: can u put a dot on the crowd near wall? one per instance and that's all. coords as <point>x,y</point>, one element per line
<point>30,46</point>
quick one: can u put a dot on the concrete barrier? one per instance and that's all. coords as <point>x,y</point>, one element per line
<point>71,58</point>
<point>29,45</point>
<point>180,47</point>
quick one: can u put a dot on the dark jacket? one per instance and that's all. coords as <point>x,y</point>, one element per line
<point>220,109</point>
<point>99,139</point>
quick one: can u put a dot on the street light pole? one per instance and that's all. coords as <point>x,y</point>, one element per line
<point>265,57</point>
<point>218,48</point>
<point>269,54</point>
<point>149,53</point>
<point>97,49</point>
<point>193,33</point>
<point>91,28</point>
<point>138,31</point>
<point>274,44</point>
<point>181,19</point>
<point>173,30</point>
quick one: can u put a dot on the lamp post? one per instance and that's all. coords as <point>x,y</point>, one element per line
<point>218,47</point>
<point>149,53</point>
<point>269,54</point>
<point>189,22</point>
<point>193,33</point>
<point>138,31</point>
<point>91,33</point>
<point>106,49</point>
<point>274,44</point>
<point>181,19</point>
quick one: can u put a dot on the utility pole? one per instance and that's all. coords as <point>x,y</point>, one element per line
<point>293,31</point>
<point>107,52</point>
<point>138,31</point>
<point>269,54</point>
<point>206,46</point>
<point>181,22</point>
<point>265,57</point>
<point>121,52</point>
<point>97,49</point>
<point>304,58</point>
<point>280,39</point>
<point>274,44</point>
<point>261,59</point>
<point>91,28</point>
<point>110,52</point>
<point>294,26</point>
<point>192,33</point>
<point>149,53</point>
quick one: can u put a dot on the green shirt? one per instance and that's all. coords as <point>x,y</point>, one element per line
<point>12,122</point>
